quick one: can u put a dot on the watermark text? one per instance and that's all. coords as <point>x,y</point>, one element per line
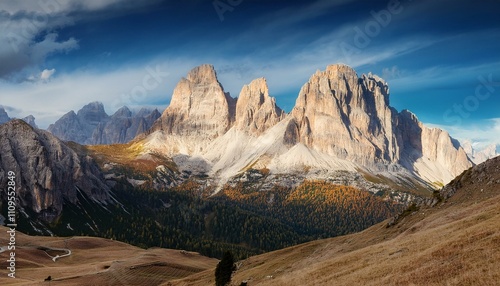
<point>11,223</point>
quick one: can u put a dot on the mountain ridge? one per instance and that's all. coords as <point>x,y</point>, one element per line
<point>92,125</point>
<point>340,122</point>
<point>480,155</point>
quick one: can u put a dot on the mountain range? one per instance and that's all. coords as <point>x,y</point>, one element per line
<point>340,122</point>
<point>341,130</point>
<point>479,155</point>
<point>92,125</point>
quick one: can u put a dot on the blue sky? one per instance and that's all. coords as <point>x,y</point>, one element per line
<point>440,58</point>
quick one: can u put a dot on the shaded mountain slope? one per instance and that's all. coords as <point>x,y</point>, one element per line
<point>47,172</point>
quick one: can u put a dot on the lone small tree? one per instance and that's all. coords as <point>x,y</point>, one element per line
<point>224,269</point>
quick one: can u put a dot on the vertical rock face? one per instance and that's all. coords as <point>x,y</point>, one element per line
<point>114,129</point>
<point>256,111</point>
<point>438,147</point>
<point>91,125</point>
<point>430,152</point>
<point>47,171</point>
<point>199,107</point>
<point>349,117</point>
<point>342,115</point>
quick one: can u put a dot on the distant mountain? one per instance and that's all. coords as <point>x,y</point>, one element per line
<point>47,172</point>
<point>30,119</point>
<point>479,155</point>
<point>123,126</point>
<point>4,117</point>
<point>340,122</point>
<point>91,125</point>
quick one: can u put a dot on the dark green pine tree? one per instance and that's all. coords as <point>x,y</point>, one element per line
<point>224,269</point>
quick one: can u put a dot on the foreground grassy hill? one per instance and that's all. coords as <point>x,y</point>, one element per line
<point>96,261</point>
<point>455,242</point>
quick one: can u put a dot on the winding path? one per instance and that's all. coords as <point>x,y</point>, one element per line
<point>54,258</point>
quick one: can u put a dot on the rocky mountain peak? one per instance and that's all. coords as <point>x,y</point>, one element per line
<point>199,107</point>
<point>144,111</point>
<point>405,113</point>
<point>123,112</point>
<point>340,70</point>
<point>348,117</point>
<point>93,113</point>
<point>203,74</point>
<point>198,91</point>
<point>154,113</point>
<point>256,111</point>
<point>343,115</point>
<point>4,117</point>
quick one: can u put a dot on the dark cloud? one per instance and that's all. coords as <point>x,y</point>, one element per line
<point>29,31</point>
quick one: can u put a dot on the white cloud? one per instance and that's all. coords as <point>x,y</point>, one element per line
<point>46,74</point>
<point>43,76</point>
<point>65,6</point>
<point>390,73</point>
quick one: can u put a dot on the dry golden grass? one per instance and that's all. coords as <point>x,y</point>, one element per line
<point>97,261</point>
<point>127,158</point>
<point>120,153</point>
<point>455,243</point>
